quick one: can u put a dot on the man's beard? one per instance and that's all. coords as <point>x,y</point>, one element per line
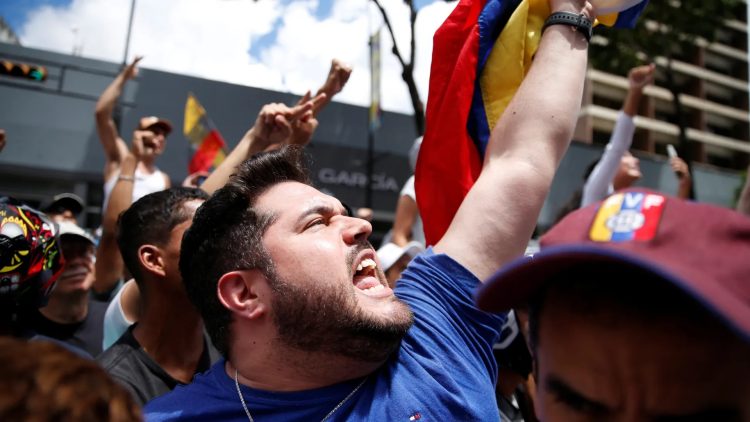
<point>329,320</point>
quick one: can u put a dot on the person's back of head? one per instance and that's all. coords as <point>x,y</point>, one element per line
<point>226,234</point>
<point>41,381</point>
<point>30,261</point>
<point>150,220</point>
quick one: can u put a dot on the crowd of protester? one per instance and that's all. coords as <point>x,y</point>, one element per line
<point>254,296</point>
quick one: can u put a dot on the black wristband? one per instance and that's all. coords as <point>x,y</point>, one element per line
<point>580,23</point>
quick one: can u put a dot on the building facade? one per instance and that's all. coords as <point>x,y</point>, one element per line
<point>713,80</point>
<point>52,143</point>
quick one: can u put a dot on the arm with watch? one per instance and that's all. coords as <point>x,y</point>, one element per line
<point>578,22</point>
<point>109,267</point>
<point>524,150</point>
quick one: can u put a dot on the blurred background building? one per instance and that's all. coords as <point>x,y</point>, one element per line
<point>47,110</point>
<point>713,80</point>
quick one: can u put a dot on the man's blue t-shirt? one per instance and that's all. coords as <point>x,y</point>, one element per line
<point>444,369</point>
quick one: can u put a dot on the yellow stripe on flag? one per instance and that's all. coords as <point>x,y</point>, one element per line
<point>599,231</point>
<point>193,113</point>
<point>511,56</point>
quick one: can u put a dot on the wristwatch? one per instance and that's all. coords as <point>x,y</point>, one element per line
<point>580,23</point>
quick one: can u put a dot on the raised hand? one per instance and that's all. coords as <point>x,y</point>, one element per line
<point>680,167</point>
<point>273,127</point>
<point>141,138</point>
<point>131,71</point>
<point>640,76</point>
<point>338,75</point>
<point>304,127</point>
<point>194,180</point>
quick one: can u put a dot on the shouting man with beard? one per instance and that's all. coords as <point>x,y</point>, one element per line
<point>293,297</point>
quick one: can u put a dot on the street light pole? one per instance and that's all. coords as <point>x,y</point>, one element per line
<point>117,112</point>
<point>127,38</point>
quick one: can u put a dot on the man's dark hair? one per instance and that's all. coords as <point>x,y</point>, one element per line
<point>616,295</point>
<point>227,231</point>
<point>150,220</point>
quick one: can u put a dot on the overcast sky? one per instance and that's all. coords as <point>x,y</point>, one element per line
<point>282,45</point>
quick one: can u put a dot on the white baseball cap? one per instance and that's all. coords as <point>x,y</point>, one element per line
<point>389,253</point>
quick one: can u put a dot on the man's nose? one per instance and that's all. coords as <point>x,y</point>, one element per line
<point>356,230</point>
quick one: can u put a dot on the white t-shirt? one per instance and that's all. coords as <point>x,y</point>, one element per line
<point>417,232</point>
<point>142,186</point>
<point>115,322</point>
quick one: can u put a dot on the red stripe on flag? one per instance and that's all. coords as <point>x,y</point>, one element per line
<point>204,157</point>
<point>449,161</point>
<point>651,208</point>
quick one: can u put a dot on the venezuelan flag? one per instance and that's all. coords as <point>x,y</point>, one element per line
<point>204,138</point>
<point>480,55</point>
<point>628,216</point>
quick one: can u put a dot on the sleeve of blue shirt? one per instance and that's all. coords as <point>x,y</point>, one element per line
<point>451,335</point>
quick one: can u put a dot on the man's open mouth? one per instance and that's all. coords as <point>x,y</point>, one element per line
<point>365,273</point>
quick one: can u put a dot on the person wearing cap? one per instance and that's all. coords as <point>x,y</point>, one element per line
<point>71,315</point>
<point>154,131</point>
<point>296,301</point>
<point>639,309</point>
<point>63,207</point>
<point>394,259</point>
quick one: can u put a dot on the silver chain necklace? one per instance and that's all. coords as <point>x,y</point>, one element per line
<point>250,418</point>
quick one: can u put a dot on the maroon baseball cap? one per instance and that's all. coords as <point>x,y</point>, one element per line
<point>702,249</point>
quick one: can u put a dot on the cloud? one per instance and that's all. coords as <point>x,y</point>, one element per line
<point>213,39</point>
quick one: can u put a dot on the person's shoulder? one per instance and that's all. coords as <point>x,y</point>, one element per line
<point>69,347</point>
<point>193,401</point>
<point>118,357</point>
<point>96,311</point>
<point>430,263</point>
<point>98,306</point>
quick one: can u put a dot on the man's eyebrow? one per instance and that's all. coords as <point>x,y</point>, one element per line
<point>320,208</point>
<point>573,399</point>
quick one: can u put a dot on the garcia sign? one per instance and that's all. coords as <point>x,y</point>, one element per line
<point>354,179</point>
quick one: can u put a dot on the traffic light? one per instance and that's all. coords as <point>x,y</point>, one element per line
<point>23,70</point>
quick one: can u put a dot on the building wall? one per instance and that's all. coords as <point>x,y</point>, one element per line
<point>52,144</point>
<point>714,83</point>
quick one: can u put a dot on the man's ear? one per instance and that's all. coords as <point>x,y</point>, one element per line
<point>151,259</point>
<point>244,292</point>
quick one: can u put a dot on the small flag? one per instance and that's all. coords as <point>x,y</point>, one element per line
<point>205,140</point>
<point>480,56</point>
<point>375,80</point>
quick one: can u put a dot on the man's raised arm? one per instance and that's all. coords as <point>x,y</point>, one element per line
<point>272,128</point>
<point>498,215</point>
<point>115,148</point>
<point>109,266</point>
